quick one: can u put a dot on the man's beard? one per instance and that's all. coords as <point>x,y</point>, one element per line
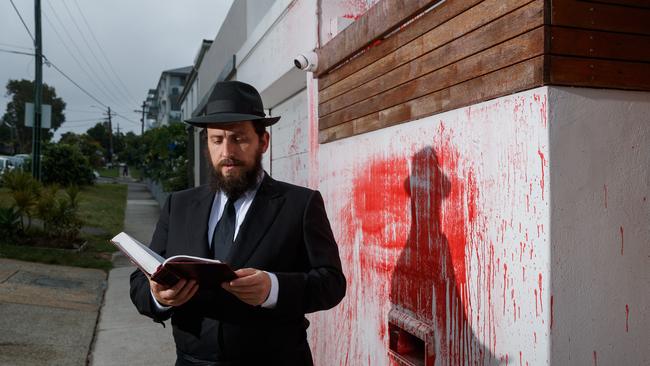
<point>235,185</point>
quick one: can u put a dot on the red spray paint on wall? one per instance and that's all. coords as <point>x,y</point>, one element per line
<point>427,211</point>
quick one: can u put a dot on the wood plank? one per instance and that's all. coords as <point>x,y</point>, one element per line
<point>383,17</point>
<point>598,16</point>
<point>599,73</point>
<point>428,21</point>
<point>594,44</point>
<point>468,21</point>
<point>504,28</point>
<point>524,47</point>
<point>522,76</point>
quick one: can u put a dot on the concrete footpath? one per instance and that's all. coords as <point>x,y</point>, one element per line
<point>123,336</point>
<point>47,313</point>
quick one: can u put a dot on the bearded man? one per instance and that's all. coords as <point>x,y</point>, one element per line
<point>276,236</point>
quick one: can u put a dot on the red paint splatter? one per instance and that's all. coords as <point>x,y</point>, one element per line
<point>595,359</point>
<point>535,337</point>
<point>605,189</point>
<point>627,318</point>
<point>426,212</point>
<point>539,282</point>
<point>541,182</point>
<point>621,229</point>
<point>520,361</point>
<point>505,285</point>
<point>536,310</point>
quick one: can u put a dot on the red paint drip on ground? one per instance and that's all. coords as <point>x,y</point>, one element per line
<point>621,229</point>
<point>536,310</point>
<point>541,182</point>
<point>520,361</point>
<point>627,318</point>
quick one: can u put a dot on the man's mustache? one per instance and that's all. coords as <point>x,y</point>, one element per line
<point>229,162</point>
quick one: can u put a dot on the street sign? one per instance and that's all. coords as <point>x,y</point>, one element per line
<point>46,115</point>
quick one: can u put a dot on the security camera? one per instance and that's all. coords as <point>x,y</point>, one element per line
<point>307,61</point>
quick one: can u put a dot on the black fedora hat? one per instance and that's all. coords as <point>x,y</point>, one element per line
<point>232,101</point>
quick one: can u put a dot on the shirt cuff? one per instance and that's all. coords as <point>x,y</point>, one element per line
<point>158,305</point>
<point>272,300</point>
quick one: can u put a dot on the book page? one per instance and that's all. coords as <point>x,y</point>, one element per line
<point>189,258</point>
<point>145,258</point>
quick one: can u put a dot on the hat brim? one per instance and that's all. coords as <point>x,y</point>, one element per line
<point>227,118</point>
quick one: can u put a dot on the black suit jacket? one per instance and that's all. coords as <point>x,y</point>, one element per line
<point>286,231</point>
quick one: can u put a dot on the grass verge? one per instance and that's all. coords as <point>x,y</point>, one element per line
<point>102,207</point>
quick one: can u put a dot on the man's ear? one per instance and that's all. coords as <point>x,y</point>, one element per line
<point>264,141</point>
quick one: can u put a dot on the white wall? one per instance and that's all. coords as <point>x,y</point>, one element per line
<point>600,187</point>
<point>289,142</point>
<point>448,218</point>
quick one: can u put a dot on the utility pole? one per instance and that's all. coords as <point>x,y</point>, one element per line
<point>143,110</point>
<point>110,136</point>
<point>38,93</point>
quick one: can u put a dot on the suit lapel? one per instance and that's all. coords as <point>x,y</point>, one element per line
<point>258,219</point>
<point>198,223</point>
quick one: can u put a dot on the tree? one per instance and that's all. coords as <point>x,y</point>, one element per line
<point>65,165</point>
<point>21,92</point>
<point>90,148</point>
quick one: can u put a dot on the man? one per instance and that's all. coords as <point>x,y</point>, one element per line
<point>276,237</point>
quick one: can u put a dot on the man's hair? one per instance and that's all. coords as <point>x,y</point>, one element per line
<point>259,128</point>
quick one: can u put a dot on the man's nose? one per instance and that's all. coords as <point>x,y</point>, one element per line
<point>228,148</point>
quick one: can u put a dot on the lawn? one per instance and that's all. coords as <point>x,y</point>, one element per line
<point>102,207</point>
<point>114,172</point>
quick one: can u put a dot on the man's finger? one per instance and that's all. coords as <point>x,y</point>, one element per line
<point>244,272</point>
<point>186,290</point>
<point>250,280</point>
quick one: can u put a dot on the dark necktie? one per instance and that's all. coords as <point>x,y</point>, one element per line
<point>224,232</point>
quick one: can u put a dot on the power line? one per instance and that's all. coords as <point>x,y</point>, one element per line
<point>65,45</point>
<point>16,52</point>
<point>120,93</point>
<point>101,49</point>
<point>105,90</point>
<point>21,19</point>
<point>49,63</point>
<point>16,46</point>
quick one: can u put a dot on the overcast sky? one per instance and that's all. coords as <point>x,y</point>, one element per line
<point>139,38</point>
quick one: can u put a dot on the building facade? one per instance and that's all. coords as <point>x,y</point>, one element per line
<point>484,165</point>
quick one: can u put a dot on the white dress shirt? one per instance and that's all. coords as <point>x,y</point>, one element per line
<point>242,205</point>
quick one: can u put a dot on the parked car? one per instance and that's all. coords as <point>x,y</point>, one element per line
<point>5,164</point>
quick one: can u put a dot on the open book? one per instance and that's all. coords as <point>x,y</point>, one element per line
<point>209,273</point>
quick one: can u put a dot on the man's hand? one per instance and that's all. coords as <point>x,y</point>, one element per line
<point>176,295</point>
<point>252,286</point>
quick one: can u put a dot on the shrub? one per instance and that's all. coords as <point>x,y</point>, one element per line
<point>9,220</point>
<point>65,164</point>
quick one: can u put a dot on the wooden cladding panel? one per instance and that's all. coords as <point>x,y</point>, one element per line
<point>595,44</point>
<point>599,16</point>
<point>599,73</point>
<point>382,18</point>
<point>467,51</point>
<point>490,35</point>
<point>455,28</point>
<point>524,75</point>
<point>428,21</point>
<point>503,55</point>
